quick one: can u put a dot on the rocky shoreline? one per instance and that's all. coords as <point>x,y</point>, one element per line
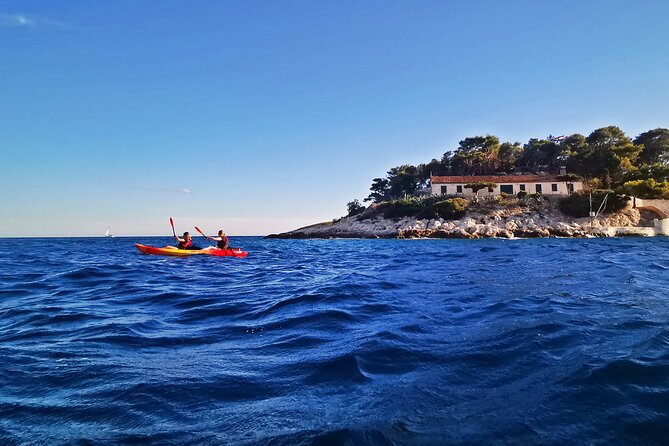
<point>487,221</point>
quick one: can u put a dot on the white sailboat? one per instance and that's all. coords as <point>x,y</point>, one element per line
<point>108,233</point>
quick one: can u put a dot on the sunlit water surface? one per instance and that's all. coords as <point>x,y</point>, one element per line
<point>331,342</point>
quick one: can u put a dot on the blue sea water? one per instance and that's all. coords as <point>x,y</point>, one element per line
<point>336,342</point>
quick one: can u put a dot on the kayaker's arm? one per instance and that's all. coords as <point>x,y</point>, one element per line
<point>220,239</point>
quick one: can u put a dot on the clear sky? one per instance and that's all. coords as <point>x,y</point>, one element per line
<point>260,117</point>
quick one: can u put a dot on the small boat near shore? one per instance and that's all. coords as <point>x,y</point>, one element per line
<point>176,252</point>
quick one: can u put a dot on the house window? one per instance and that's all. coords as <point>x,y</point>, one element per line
<point>444,190</point>
<point>570,188</point>
<point>506,189</point>
<point>522,187</point>
<point>459,189</point>
<point>538,188</point>
<point>554,187</point>
<point>490,189</point>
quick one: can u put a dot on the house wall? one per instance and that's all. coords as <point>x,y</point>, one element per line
<point>662,226</point>
<point>546,188</point>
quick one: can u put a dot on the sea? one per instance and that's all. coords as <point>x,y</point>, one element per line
<point>335,342</point>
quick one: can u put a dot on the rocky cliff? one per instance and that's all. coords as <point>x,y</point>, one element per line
<point>489,219</point>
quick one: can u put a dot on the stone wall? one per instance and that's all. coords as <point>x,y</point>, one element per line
<point>660,207</point>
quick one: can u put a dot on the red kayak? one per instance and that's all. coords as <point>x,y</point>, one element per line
<point>174,251</point>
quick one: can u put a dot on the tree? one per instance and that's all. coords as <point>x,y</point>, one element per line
<point>476,155</point>
<point>655,146</point>
<point>574,153</point>
<point>476,187</point>
<point>380,190</point>
<point>507,155</point>
<point>611,153</point>
<point>647,188</point>
<point>403,180</point>
<point>539,154</point>
<point>354,207</point>
<point>424,171</point>
<point>447,162</point>
<point>657,171</point>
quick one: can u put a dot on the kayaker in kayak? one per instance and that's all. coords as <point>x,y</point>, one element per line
<point>221,241</point>
<point>186,242</point>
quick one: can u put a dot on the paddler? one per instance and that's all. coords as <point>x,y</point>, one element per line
<point>221,240</point>
<point>186,242</point>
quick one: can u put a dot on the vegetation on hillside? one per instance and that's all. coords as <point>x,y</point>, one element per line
<point>578,204</point>
<point>606,158</point>
<point>449,207</point>
<point>446,207</point>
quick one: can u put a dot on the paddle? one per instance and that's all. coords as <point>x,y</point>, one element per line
<point>172,223</point>
<point>203,235</point>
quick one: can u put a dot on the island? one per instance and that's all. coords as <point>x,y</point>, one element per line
<point>602,185</point>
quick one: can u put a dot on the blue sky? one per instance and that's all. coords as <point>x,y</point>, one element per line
<point>260,117</point>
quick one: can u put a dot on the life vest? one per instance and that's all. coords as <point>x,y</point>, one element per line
<point>185,245</point>
<point>222,242</point>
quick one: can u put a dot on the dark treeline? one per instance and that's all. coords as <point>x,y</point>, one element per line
<point>606,158</point>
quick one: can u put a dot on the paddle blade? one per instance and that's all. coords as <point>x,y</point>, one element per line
<point>172,224</point>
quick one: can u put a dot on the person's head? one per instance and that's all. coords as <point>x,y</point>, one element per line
<point>221,233</point>
<point>186,235</point>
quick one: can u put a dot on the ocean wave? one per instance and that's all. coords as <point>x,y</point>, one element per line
<point>335,342</point>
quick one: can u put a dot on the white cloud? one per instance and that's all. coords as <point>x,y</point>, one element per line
<point>183,190</point>
<point>25,21</point>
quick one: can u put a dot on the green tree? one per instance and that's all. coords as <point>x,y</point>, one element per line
<point>655,146</point>
<point>647,188</point>
<point>380,190</point>
<point>539,154</point>
<point>476,155</point>
<point>354,207</point>
<point>447,161</point>
<point>657,171</point>
<point>424,171</point>
<point>610,154</point>
<point>508,155</point>
<point>574,153</point>
<point>404,181</point>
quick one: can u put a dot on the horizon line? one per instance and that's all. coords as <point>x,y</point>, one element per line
<point>102,236</point>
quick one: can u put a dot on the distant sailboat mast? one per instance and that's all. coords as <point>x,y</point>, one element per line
<point>108,233</point>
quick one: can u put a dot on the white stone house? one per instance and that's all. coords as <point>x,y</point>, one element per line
<point>509,184</point>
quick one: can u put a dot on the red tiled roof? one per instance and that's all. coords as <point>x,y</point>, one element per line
<point>499,179</point>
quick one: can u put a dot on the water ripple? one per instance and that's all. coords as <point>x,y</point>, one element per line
<point>336,342</point>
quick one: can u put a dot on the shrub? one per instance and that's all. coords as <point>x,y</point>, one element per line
<point>402,208</point>
<point>578,204</point>
<point>522,194</point>
<point>354,208</point>
<point>434,206</point>
<point>647,188</point>
<point>451,209</point>
<point>595,183</point>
